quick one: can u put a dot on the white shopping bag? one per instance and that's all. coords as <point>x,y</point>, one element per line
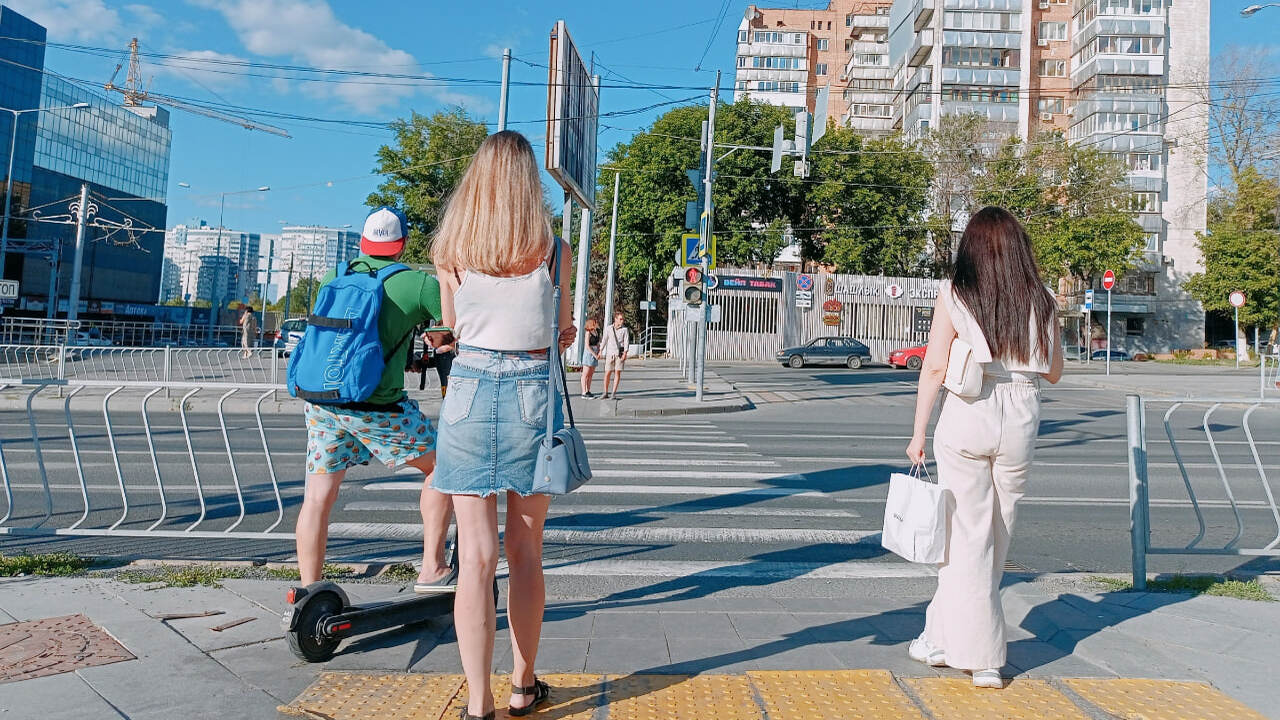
<point>915,518</point>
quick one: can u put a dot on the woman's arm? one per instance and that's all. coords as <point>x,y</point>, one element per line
<point>448,286</point>
<point>1055,353</point>
<point>568,333</point>
<point>932,374</point>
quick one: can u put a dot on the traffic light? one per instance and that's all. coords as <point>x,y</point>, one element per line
<point>694,287</point>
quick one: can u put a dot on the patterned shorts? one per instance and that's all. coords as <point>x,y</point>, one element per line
<point>338,439</point>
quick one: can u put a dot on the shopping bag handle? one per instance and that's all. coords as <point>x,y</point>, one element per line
<point>917,468</point>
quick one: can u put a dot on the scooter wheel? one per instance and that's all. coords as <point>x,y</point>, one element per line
<point>306,641</point>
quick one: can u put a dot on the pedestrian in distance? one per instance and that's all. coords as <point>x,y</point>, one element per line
<point>386,426</point>
<point>496,257</point>
<point>590,356</point>
<point>443,352</point>
<point>995,302</point>
<point>248,330</point>
<point>617,346</point>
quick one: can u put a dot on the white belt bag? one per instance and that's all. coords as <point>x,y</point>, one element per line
<point>964,372</point>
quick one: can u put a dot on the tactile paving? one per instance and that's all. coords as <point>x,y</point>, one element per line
<point>55,645</point>
<point>1021,699</point>
<point>681,697</point>
<point>360,696</point>
<point>1134,699</point>
<point>573,697</point>
<point>842,694</point>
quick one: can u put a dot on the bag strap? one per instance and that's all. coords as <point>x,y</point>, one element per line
<point>553,353</point>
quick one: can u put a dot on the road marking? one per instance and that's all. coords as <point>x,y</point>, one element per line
<point>601,489</point>
<point>668,443</point>
<point>602,534</point>
<point>680,460</point>
<point>706,475</point>
<point>570,510</point>
<point>846,570</point>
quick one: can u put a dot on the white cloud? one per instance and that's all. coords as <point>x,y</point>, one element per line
<point>195,66</point>
<point>144,16</point>
<point>308,33</point>
<point>76,20</point>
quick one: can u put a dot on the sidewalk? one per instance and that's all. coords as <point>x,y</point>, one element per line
<point>1163,380</point>
<point>666,650</point>
<point>656,387</point>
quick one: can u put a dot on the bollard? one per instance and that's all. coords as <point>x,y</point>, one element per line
<point>1139,508</point>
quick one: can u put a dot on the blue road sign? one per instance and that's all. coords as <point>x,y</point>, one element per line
<point>689,255</point>
<point>713,282</point>
<point>804,282</point>
<point>1088,299</point>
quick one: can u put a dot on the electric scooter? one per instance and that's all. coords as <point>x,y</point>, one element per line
<point>321,615</point>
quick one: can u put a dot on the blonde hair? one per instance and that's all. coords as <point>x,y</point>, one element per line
<point>495,222</point>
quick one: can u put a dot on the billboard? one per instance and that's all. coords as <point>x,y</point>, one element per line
<point>573,106</point>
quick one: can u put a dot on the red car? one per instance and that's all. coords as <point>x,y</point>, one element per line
<point>909,358</point>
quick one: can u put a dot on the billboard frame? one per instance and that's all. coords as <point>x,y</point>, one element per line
<point>573,116</point>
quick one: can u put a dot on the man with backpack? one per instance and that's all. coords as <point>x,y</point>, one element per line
<point>349,367</point>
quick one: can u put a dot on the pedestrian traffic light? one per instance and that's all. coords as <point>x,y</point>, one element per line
<point>694,287</point>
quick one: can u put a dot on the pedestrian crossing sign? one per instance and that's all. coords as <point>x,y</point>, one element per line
<point>690,254</point>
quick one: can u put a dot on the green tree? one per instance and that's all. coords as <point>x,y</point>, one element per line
<point>424,163</point>
<point>298,298</point>
<point>866,203</point>
<point>1239,250</point>
<point>957,148</point>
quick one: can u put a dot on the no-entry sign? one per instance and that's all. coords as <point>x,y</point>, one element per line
<point>1237,299</point>
<point>1108,280</point>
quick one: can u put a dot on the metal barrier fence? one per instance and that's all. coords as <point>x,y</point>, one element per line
<point>140,364</point>
<point>112,479</point>
<point>43,331</point>
<point>1140,528</point>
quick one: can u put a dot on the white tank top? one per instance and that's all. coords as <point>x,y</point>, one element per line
<point>504,313</point>
<point>968,330</point>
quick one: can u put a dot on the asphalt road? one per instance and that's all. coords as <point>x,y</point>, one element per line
<point>790,492</point>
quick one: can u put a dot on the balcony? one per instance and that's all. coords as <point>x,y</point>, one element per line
<point>1116,64</point>
<point>921,13</point>
<point>874,22</point>
<point>921,48</point>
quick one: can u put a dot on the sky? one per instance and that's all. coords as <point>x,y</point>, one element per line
<point>322,174</point>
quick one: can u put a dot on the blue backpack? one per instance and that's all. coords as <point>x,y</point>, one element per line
<point>339,359</point>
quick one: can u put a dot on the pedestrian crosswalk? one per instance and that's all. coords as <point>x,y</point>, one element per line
<point>675,499</point>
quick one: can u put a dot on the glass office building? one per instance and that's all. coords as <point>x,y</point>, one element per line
<point>121,152</point>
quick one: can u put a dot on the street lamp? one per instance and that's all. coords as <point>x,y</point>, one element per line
<point>8,189</point>
<point>1255,8</point>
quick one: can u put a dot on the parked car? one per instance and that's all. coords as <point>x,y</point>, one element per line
<point>1116,355</point>
<point>909,358</point>
<point>291,331</point>
<point>827,351</point>
<point>91,338</point>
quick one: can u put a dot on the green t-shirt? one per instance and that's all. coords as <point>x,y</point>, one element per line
<point>411,298</point>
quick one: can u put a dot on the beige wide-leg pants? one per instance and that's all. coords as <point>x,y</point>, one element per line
<point>983,448</point>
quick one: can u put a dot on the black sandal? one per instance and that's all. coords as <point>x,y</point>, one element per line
<point>491,715</point>
<point>540,691</point>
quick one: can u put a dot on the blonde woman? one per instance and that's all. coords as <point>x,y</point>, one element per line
<point>495,253</point>
<point>995,302</point>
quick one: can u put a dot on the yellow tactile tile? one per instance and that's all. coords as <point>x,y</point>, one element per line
<point>395,696</point>
<point>958,699</point>
<point>838,695</point>
<point>681,697</point>
<point>573,697</point>
<point>1133,699</point>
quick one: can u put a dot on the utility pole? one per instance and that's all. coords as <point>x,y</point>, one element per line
<point>613,253</point>
<point>288,291</point>
<point>506,87</point>
<point>73,302</point>
<point>215,295</point>
<point>704,243</point>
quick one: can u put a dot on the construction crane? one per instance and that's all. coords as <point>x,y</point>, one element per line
<point>135,95</point>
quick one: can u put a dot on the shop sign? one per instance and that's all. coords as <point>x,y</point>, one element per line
<point>833,306</point>
<point>832,319</point>
<point>743,282</point>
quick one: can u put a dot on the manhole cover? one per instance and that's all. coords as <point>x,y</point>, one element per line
<point>55,645</point>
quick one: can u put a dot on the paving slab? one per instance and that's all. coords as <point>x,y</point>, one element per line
<point>269,667</point>
<point>54,697</point>
<point>612,655</point>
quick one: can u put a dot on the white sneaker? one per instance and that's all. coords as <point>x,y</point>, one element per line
<point>988,679</point>
<point>921,650</point>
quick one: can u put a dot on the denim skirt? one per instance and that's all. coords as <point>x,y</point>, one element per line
<point>492,421</point>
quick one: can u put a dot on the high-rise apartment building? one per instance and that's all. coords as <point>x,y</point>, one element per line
<point>313,250</point>
<point>210,264</point>
<point>1118,75</point>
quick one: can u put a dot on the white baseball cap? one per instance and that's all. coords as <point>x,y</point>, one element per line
<point>385,232</point>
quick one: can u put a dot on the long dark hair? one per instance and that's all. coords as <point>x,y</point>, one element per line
<point>997,279</point>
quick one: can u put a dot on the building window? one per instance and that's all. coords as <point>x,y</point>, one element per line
<point>1053,68</point>
<point>848,45</point>
<point>1151,242</point>
<point>822,44</point>
<point>1050,105</point>
<point>882,10</point>
<point>973,20</point>
<point>1135,326</point>
<point>871,59</point>
<point>742,36</point>
<point>1052,31</point>
<point>1144,202</point>
<point>980,57</point>
<point>820,69</point>
<point>742,85</point>
<point>1143,161</point>
<point>970,93</point>
<point>742,61</point>
<point>848,20</point>
<point>767,36</point>
<point>777,63</point>
<point>775,86</point>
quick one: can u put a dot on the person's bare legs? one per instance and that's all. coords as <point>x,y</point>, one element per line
<point>312,532</point>
<point>588,374</point>
<point>617,380</point>
<point>526,590</point>
<point>608,377</point>
<point>435,507</point>
<point>474,617</point>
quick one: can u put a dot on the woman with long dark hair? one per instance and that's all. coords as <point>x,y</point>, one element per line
<point>995,303</point>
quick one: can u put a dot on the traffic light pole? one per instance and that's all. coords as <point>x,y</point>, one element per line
<point>705,241</point>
